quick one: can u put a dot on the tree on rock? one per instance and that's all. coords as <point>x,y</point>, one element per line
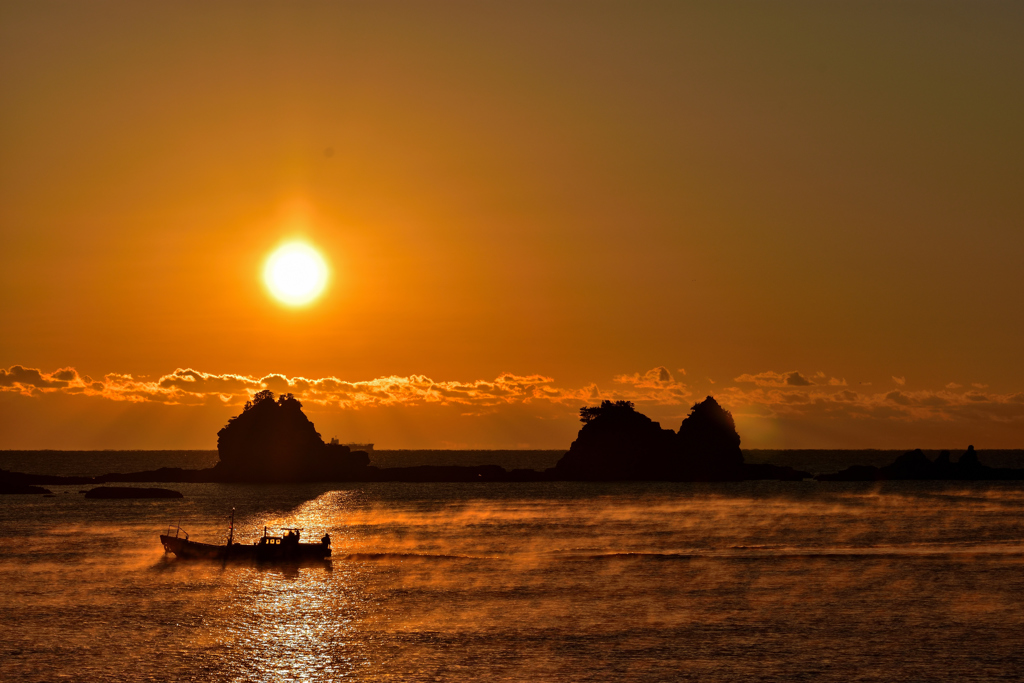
<point>611,410</point>
<point>708,442</point>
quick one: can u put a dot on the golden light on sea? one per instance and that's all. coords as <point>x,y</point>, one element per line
<point>296,274</point>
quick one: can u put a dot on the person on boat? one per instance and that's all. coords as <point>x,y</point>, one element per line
<point>326,540</point>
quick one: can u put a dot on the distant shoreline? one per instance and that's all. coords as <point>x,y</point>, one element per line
<point>97,462</point>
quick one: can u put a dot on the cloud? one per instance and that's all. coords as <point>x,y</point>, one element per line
<point>191,381</point>
<point>795,379</point>
<point>28,379</point>
<point>655,377</point>
<point>899,380</point>
<point>65,375</point>
<point>897,397</point>
<point>777,379</point>
<point>774,397</point>
<point>763,379</point>
<point>657,386</point>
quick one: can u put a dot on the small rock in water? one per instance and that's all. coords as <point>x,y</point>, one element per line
<point>126,492</point>
<point>6,487</point>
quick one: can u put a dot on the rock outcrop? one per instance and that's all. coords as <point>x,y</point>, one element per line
<point>19,488</point>
<point>915,466</point>
<point>618,443</point>
<point>709,445</point>
<point>275,441</point>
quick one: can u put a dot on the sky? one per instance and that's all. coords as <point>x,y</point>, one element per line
<point>811,211</point>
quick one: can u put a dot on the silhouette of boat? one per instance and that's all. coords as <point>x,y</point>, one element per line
<point>285,548</point>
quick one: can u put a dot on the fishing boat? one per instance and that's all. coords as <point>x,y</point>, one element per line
<point>284,548</point>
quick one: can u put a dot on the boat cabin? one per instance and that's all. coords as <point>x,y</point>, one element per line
<point>290,538</point>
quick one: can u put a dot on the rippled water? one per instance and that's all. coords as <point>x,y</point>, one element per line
<point>549,582</point>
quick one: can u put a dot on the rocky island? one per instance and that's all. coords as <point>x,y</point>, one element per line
<point>272,441</point>
<point>618,443</point>
<point>916,466</point>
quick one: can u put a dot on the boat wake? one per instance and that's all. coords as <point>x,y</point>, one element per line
<point>403,556</point>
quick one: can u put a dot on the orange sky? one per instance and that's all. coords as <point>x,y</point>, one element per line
<point>812,211</point>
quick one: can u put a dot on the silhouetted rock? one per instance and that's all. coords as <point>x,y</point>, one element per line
<point>12,479</point>
<point>616,442</point>
<point>619,443</point>
<point>911,465</point>
<point>275,441</point>
<point>915,466</point>
<point>709,444</point>
<point>10,488</point>
<point>969,460</point>
<point>129,492</point>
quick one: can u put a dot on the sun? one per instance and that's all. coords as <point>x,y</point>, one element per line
<point>296,274</point>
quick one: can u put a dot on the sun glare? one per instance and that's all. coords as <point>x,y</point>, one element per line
<point>295,274</point>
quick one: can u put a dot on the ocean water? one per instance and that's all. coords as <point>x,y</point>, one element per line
<point>756,581</point>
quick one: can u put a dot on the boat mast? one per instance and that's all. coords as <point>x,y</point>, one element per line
<point>231,533</point>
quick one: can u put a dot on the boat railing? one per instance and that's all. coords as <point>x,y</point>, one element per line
<point>177,529</point>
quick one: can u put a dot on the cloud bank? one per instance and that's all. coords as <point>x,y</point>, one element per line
<point>767,394</point>
<point>186,386</point>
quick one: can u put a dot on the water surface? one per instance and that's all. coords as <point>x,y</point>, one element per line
<point>550,582</point>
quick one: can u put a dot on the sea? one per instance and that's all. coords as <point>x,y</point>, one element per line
<point>752,581</point>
